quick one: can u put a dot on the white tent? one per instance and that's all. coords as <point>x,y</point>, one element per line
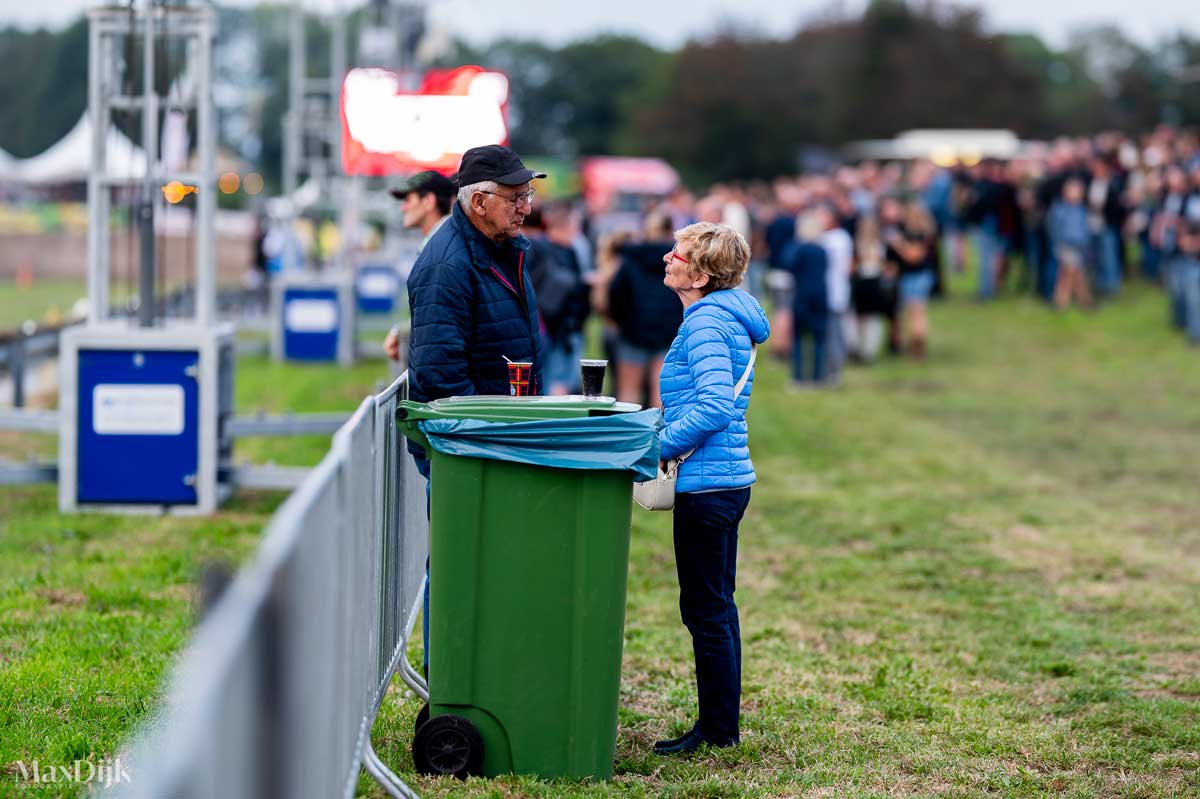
<point>941,145</point>
<point>68,160</point>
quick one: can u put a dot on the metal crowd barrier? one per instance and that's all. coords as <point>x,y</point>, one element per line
<point>276,692</point>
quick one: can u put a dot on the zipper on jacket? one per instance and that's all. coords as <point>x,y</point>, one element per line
<point>533,336</point>
<point>520,281</point>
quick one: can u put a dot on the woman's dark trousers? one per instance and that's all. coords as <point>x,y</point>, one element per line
<point>706,534</point>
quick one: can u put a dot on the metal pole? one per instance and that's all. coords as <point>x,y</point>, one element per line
<point>97,303</point>
<point>338,69</point>
<point>150,145</point>
<point>16,369</point>
<point>401,17</point>
<point>338,179</point>
<point>145,221</point>
<point>293,133</point>
<point>109,84</point>
<point>206,200</point>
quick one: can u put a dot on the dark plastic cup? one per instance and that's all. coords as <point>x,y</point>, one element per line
<point>591,373</point>
<point>519,374</point>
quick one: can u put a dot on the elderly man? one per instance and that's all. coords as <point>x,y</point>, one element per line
<point>425,201</point>
<point>472,301</point>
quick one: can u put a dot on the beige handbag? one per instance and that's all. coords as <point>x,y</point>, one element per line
<point>659,493</point>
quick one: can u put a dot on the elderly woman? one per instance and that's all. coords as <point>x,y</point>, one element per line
<point>708,358</point>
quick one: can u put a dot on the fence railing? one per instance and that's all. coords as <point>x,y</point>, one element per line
<point>20,351</point>
<point>276,692</point>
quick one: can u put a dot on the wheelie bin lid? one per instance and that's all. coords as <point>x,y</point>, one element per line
<point>531,407</point>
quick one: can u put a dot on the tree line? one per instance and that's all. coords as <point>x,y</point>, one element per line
<point>734,104</point>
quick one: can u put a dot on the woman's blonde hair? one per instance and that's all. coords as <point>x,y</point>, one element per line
<point>718,251</point>
<point>867,239</point>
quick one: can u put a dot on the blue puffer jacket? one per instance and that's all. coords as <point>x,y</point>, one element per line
<point>467,315</point>
<point>704,363</point>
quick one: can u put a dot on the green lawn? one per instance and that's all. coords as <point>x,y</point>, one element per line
<point>93,607</point>
<point>40,302</point>
<point>977,576</point>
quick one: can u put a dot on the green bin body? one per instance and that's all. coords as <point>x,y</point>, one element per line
<point>528,572</point>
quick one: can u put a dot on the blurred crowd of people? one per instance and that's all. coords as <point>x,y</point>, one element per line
<point>849,258</point>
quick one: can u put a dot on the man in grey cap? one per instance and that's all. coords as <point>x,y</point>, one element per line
<point>425,200</point>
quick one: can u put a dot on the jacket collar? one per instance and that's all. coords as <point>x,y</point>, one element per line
<point>478,245</point>
<point>434,230</point>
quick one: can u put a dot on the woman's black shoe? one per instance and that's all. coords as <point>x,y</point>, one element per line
<point>676,741</point>
<point>690,741</point>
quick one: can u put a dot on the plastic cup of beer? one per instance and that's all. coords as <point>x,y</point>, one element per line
<point>591,374</point>
<point>520,373</point>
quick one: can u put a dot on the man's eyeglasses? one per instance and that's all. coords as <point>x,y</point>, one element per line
<point>515,200</point>
<point>677,256</point>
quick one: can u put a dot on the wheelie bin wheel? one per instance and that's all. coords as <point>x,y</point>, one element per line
<point>422,717</point>
<point>448,745</point>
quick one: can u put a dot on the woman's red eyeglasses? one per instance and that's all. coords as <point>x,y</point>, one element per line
<point>679,257</point>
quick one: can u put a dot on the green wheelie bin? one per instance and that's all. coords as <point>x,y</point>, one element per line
<point>528,570</point>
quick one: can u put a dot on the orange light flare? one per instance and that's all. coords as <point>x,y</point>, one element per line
<point>253,183</point>
<point>228,183</point>
<point>174,192</point>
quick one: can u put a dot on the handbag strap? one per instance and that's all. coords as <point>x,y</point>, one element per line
<point>737,392</point>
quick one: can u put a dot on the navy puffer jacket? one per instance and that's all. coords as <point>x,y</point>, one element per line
<point>467,314</point>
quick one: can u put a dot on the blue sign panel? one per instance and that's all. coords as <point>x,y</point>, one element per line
<point>311,322</point>
<point>375,288</point>
<point>138,415</point>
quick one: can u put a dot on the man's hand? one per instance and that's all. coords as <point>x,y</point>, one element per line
<point>391,344</point>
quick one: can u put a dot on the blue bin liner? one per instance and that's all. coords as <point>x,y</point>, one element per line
<point>620,441</point>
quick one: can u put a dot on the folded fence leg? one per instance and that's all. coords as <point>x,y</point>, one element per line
<point>414,680</point>
<point>411,677</point>
<point>383,775</point>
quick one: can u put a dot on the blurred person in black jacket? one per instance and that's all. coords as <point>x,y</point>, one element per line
<point>781,230</point>
<point>871,289</point>
<point>891,219</point>
<point>808,263</point>
<point>1176,208</point>
<point>562,296</point>
<point>984,215</point>
<point>1010,222</point>
<point>1106,218</point>
<point>1061,167</point>
<point>646,312</point>
<point>1188,268</point>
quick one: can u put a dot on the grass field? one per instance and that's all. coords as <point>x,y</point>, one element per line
<point>42,302</point>
<point>978,576</point>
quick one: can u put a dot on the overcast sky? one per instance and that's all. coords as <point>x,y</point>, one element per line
<point>670,22</point>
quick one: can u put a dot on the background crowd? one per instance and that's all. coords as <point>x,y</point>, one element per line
<point>848,258</point>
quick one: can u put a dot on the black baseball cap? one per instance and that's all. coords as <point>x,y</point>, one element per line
<point>428,182</point>
<point>496,163</point>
